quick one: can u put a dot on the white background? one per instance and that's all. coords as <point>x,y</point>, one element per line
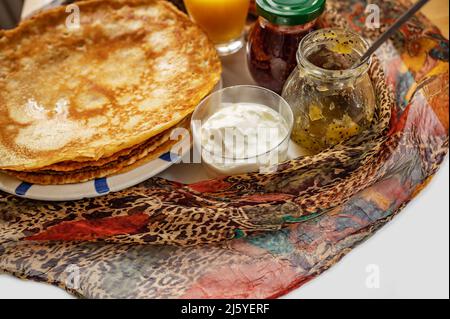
<point>412,253</point>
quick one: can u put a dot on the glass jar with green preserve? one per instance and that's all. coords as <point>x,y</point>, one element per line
<point>274,38</point>
<point>330,91</point>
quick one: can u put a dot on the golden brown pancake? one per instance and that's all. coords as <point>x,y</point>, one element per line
<point>76,172</point>
<point>149,145</point>
<point>87,175</point>
<point>132,70</point>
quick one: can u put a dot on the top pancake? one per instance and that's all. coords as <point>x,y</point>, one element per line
<point>132,70</point>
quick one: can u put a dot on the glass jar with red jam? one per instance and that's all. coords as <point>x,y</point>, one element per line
<point>275,37</point>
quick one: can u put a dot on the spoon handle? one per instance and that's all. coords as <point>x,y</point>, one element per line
<point>392,29</point>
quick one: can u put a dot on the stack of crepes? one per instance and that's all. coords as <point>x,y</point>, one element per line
<point>89,98</point>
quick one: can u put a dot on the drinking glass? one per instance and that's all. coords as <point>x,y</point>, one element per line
<point>222,20</point>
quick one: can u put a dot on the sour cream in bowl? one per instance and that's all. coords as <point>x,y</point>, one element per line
<point>242,129</point>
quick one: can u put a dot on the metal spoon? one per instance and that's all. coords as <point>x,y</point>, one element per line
<point>389,32</point>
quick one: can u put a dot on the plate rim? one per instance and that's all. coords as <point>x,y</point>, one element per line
<point>163,165</point>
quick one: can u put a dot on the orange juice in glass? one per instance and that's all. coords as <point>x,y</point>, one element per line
<point>222,20</point>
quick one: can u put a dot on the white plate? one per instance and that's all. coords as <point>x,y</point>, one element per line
<point>94,188</point>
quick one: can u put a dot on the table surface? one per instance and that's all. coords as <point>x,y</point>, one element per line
<point>411,253</point>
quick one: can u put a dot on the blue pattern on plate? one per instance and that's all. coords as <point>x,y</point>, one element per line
<point>169,157</point>
<point>101,185</point>
<point>23,188</point>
